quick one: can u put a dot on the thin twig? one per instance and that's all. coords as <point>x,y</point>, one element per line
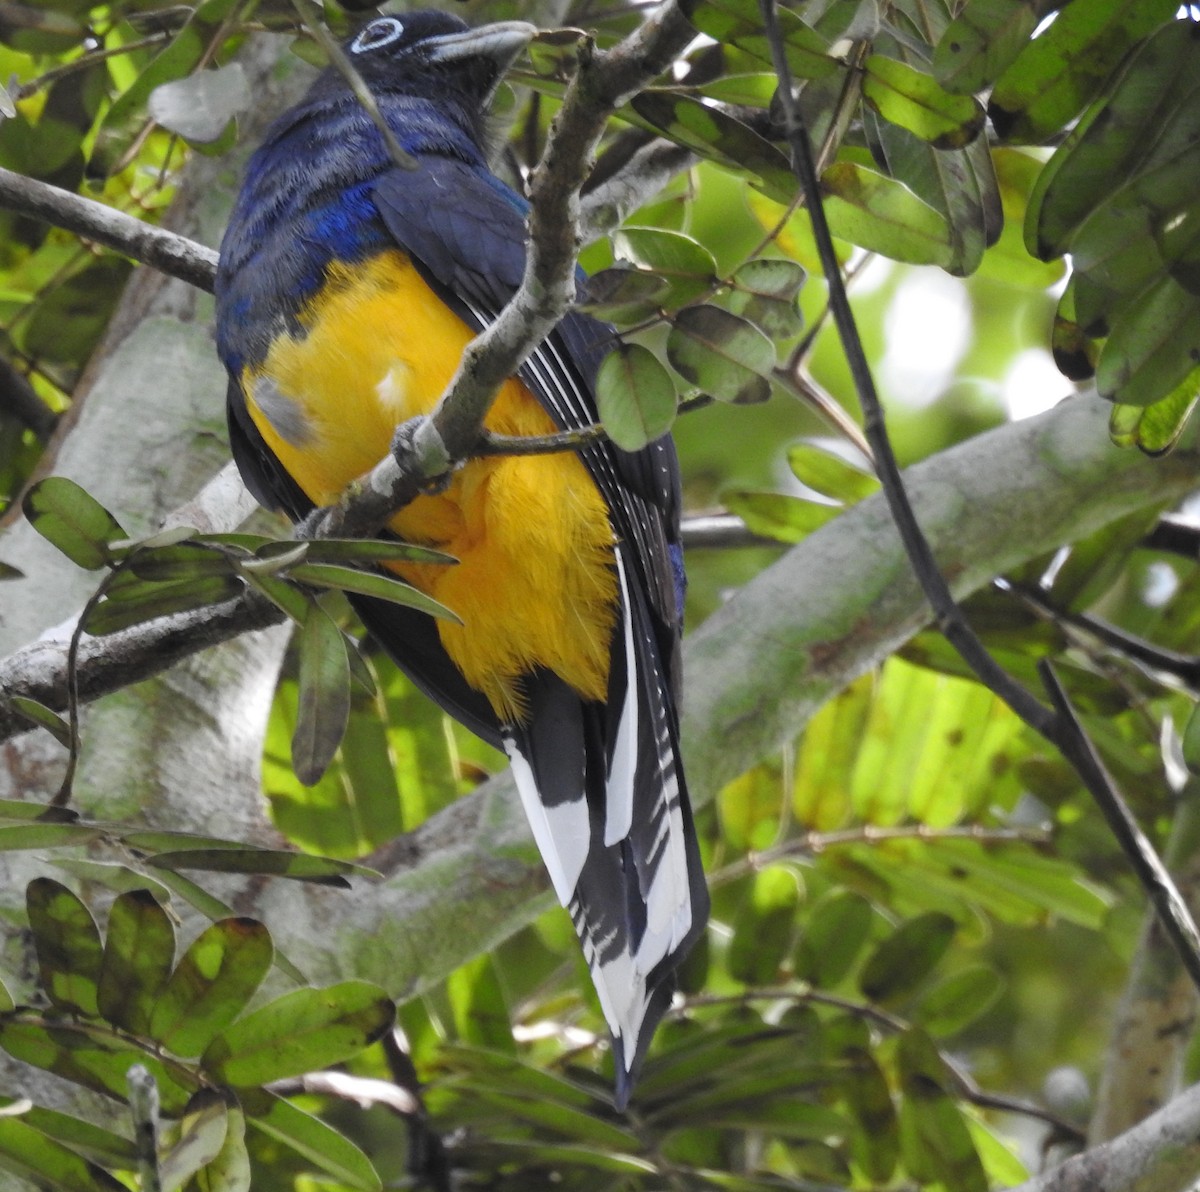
<point>1168,903</point>
<point>1185,667</point>
<point>812,843</point>
<point>143,1108</point>
<point>490,443</point>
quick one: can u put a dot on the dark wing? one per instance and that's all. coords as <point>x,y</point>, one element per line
<point>602,784</point>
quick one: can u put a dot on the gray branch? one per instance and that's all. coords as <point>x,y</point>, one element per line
<point>174,255</point>
<point>1160,1154</point>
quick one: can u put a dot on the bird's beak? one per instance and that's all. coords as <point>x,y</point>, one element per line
<point>499,43</point>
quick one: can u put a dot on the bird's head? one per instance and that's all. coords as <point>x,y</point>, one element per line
<point>434,54</point>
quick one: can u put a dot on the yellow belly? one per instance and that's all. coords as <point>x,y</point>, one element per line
<point>535,584</point>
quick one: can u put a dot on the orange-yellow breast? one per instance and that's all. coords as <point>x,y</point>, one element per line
<point>535,584</point>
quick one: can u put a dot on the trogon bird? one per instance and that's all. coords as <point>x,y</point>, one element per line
<point>347,289</point>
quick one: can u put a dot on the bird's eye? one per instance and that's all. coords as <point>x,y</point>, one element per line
<point>376,35</point>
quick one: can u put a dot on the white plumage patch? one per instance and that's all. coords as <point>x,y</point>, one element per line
<point>618,811</point>
<point>562,832</point>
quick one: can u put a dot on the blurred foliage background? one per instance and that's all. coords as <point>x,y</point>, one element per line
<point>921,926</point>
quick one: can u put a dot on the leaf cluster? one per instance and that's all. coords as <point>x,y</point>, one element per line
<point>124,1001</point>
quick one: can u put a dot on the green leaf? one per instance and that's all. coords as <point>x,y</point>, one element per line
<point>359,552</point>
<point>324,705</point>
<point>755,89</point>
<point>319,1144</point>
<point>981,42</point>
<point>211,985</point>
<point>718,137</point>
<point>178,561</point>
<point>502,1071</point>
<point>1115,257</point>
<point>764,926</point>
<point>777,515</point>
<point>723,355</point>
<point>27,1152</point>
<point>23,810</point>
<point>229,1169</point>
<point>884,216</point>
<point>739,23</point>
<point>687,266</point>
<point>902,961</point>
<point>42,716</point>
<point>635,396</point>
<point>85,1138</point>
<point>764,291</point>
<point>134,605</point>
<point>300,1032</point>
<point>1060,71</point>
<point>199,898</point>
<point>138,954</point>
<point>1155,429</point>
<point>149,840</point>
<point>67,942</point>
<point>1016,885</point>
<point>1152,351</point>
<point>962,185</point>
<point>1144,121</point>
<point>935,1140</point>
<point>952,761</point>
<point>625,294</point>
<point>202,1132</point>
<point>477,1001</point>
<point>370,583</point>
<point>7,1001</point>
<point>92,1057</point>
<point>917,102</point>
<point>1191,741</point>
<point>73,521</point>
<point>1075,352</point>
<point>535,1157</point>
<point>48,835</point>
<point>558,1118</point>
<point>750,808</point>
<point>865,1090</point>
<point>817,464</point>
<point>288,598</point>
<point>959,999</point>
<point>834,935</point>
<point>701,1058</point>
<point>275,862</point>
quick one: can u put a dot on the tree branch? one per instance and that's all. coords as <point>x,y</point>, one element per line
<point>1160,1154</point>
<point>174,255</point>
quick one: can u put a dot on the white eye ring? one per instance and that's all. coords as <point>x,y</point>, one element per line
<point>377,34</point>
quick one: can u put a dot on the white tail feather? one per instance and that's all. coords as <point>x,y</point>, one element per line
<point>562,831</point>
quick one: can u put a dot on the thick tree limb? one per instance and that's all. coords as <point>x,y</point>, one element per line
<point>1160,1154</point>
